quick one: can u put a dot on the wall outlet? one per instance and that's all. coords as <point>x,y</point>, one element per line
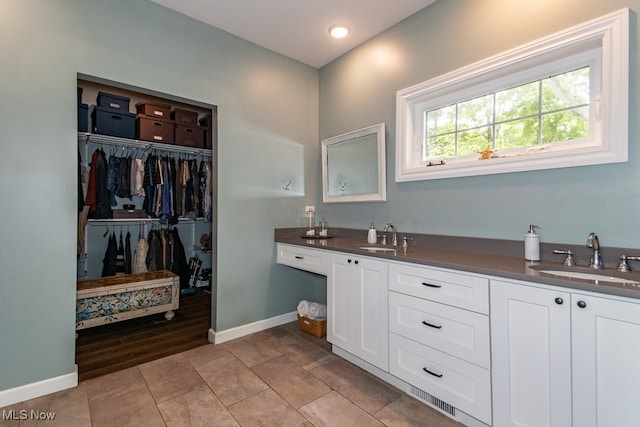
<point>309,210</point>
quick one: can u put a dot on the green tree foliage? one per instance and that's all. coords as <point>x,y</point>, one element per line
<point>553,109</point>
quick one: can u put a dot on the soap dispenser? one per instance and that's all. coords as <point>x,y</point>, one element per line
<point>532,244</point>
<point>372,237</point>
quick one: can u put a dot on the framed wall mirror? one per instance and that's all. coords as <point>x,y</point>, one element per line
<point>353,166</point>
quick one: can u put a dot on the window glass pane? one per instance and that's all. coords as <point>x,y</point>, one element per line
<point>517,133</point>
<point>474,140</point>
<point>475,112</point>
<point>518,102</point>
<point>565,125</point>
<point>441,121</point>
<point>566,90</point>
<point>440,146</point>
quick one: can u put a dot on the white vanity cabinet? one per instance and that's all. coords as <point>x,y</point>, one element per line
<point>605,369</point>
<point>357,307</point>
<point>563,358</point>
<point>439,336</point>
<point>303,258</point>
<point>531,353</point>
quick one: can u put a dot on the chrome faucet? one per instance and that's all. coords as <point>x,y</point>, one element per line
<point>594,245</point>
<point>394,237</point>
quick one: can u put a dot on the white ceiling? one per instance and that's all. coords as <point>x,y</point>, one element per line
<point>299,29</point>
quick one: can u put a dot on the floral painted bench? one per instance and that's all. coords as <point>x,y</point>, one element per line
<point>116,298</point>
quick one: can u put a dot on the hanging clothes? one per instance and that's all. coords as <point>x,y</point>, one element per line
<point>110,255</point>
<point>98,197</point>
<point>154,256</point>
<point>179,265</point>
<point>148,185</point>
<point>113,178</point>
<point>103,196</point>
<point>205,189</point>
<point>137,178</point>
<point>82,227</point>
<point>140,258</point>
<point>128,267</point>
<point>120,268</point>
<point>80,189</point>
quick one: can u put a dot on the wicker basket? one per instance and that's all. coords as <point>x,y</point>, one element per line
<point>317,328</point>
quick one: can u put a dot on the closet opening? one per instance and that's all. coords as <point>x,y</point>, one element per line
<point>147,203</point>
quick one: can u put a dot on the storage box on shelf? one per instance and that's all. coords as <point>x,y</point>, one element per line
<point>154,130</point>
<point>83,113</point>
<point>129,214</point>
<point>187,136</point>
<point>184,117</point>
<point>105,122</point>
<point>154,109</point>
<point>111,116</point>
<point>114,103</point>
<point>207,124</point>
<point>83,117</point>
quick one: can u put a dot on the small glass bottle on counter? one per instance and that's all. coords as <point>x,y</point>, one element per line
<point>310,219</point>
<point>324,228</point>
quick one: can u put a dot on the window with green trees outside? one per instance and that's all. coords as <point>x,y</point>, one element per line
<point>560,101</point>
<point>553,109</point>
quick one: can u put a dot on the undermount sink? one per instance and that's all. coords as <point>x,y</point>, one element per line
<point>377,249</point>
<point>596,276</point>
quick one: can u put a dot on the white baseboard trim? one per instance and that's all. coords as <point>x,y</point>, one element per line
<point>250,328</point>
<point>40,388</point>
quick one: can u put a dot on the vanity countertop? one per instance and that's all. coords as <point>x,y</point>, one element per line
<point>453,253</point>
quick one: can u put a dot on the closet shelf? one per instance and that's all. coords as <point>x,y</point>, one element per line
<point>139,220</point>
<point>85,137</point>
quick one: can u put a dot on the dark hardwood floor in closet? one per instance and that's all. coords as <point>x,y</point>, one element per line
<point>105,349</point>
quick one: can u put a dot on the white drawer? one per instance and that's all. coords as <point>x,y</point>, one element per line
<point>313,260</point>
<point>462,290</point>
<point>461,384</point>
<point>457,332</point>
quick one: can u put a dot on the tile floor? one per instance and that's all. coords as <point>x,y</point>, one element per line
<point>278,377</point>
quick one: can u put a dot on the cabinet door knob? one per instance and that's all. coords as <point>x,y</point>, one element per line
<point>559,301</point>
<point>581,304</point>
<point>349,260</point>
<point>355,262</point>
<point>431,285</point>
<point>432,373</point>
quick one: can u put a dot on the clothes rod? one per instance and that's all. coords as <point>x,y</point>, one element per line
<point>144,145</point>
<point>137,220</point>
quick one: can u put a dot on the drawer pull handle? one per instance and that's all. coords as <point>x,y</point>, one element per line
<point>431,285</point>
<point>432,373</point>
<point>431,325</point>
<point>299,257</point>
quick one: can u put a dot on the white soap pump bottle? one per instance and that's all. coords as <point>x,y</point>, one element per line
<point>532,244</point>
<point>372,236</point>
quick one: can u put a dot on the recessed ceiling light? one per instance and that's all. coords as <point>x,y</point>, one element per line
<point>339,31</point>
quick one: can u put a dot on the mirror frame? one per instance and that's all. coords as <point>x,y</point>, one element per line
<point>381,194</point>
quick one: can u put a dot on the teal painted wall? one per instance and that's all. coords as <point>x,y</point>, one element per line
<point>358,90</point>
<point>268,131</point>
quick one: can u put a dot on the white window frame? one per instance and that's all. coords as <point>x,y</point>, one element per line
<point>602,43</point>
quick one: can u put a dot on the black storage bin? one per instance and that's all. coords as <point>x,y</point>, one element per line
<point>83,117</point>
<point>114,103</point>
<point>105,122</point>
<point>207,125</point>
